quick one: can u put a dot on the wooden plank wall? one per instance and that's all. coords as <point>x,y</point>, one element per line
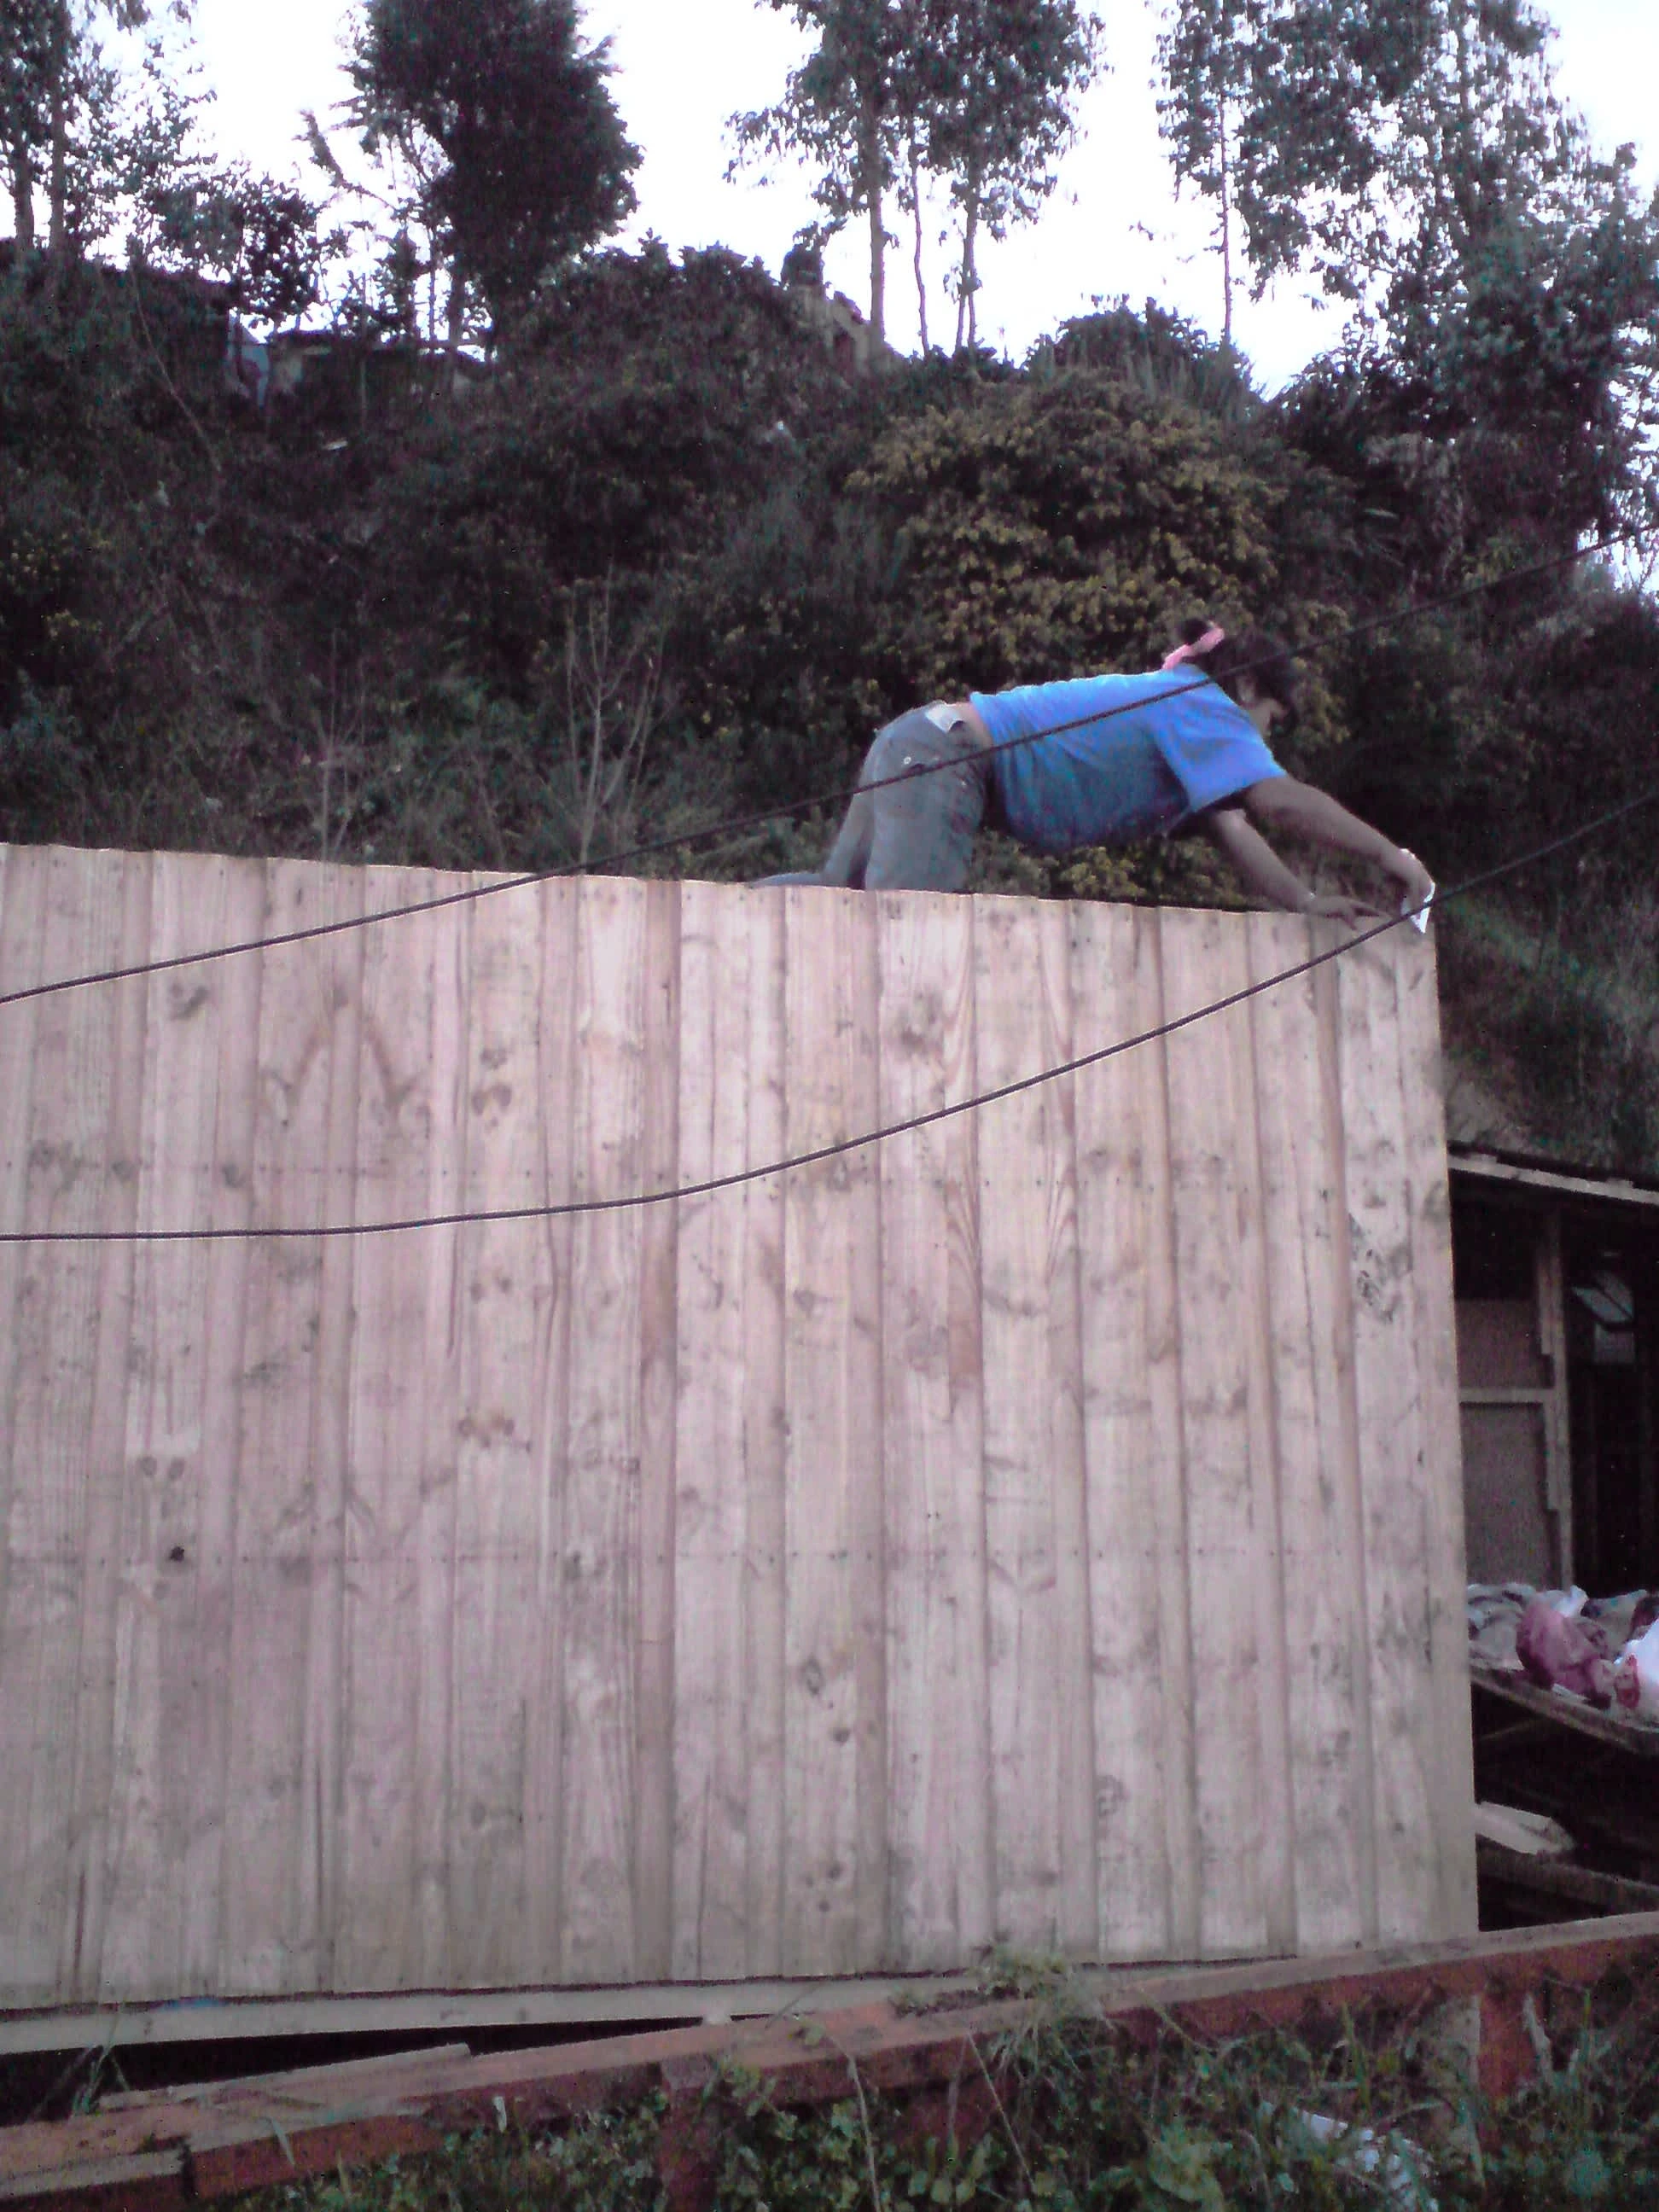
<point>1042,1529</point>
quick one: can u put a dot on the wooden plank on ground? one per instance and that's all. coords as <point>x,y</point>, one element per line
<point>1452,1777</point>
<point>1146,1834</point>
<point>939,1751</point>
<point>832,1712</point>
<point>1323,1585</point>
<point>1394,1465</point>
<point>1242,1852</point>
<point>412,1128</point>
<point>61,1172</point>
<point>1039,1640</point>
<point>282,1818</point>
<point>503,1469</point>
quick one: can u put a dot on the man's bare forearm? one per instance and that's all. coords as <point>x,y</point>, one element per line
<point>1315,815</point>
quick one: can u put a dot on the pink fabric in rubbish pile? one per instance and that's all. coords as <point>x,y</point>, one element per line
<point>1558,1651</point>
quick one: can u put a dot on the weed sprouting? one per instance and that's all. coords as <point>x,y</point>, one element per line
<point>1372,2112</point>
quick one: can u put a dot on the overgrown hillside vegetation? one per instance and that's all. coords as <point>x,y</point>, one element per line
<point>664,565</point>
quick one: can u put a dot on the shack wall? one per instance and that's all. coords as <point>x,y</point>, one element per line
<point>1041,1529</point>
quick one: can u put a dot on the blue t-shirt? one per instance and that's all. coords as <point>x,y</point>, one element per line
<point>1144,754</point>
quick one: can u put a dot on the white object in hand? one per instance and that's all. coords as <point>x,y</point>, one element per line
<point>1419,914</point>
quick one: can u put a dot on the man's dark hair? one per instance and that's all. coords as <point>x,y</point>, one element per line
<point>1269,660</point>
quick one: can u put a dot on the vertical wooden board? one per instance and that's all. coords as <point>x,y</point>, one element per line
<point>433,1539</point>
<point>23,879</point>
<point>765,1447</point>
<point>81,1938</point>
<point>402,1392</point>
<point>939,1748</point>
<point>73,1098</point>
<point>174,1507</point>
<point>652,1853</point>
<point>833,1596</point>
<point>712,1776</point>
<point>174,1528</point>
<point>282,1815</point>
<point>607,1505</point>
<point>1423,1095</point>
<point>556,1081</point>
<point>1322,1586</point>
<point>1146,1832</point>
<point>502,1473</point>
<point>1212,1144</point>
<point>1399,1510</point>
<point>1039,1638</point>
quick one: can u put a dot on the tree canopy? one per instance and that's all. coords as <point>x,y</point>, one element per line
<point>507,122</point>
<point>975,93</point>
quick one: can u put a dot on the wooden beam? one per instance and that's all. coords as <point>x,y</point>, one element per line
<point>1610,1190</point>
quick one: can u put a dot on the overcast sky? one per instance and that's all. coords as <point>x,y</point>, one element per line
<point>681,67</point>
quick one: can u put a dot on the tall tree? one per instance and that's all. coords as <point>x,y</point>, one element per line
<point>976,92</point>
<point>1419,161</point>
<point>59,110</point>
<point>508,124</point>
<point>999,90</point>
<point>28,35</point>
<point>843,110</point>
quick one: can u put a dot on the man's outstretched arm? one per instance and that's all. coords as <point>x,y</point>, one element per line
<point>1263,872</point>
<point>1282,802</point>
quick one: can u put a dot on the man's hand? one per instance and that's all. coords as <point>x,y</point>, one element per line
<point>1413,878</point>
<point>1335,906</point>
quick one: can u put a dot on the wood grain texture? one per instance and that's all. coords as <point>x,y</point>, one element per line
<point>1434,1334</point>
<point>938,1784</point>
<point>1398,1519</point>
<point>91,1867</point>
<point>1042,1527</point>
<point>1145,1809</point>
<point>72,1081</point>
<point>24,950</point>
<point>282,1803</point>
<point>607,1479</point>
<point>1040,1643</point>
<point>1211,1195</point>
<point>171,1710</point>
<point>502,1461</point>
<point>833,1602</point>
<point>1310,1318</point>
<point>713,1777</point>
<point>393,1725</point>
<point>765,1431</point>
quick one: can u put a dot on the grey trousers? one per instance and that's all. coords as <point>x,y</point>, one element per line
<point>916,834</point>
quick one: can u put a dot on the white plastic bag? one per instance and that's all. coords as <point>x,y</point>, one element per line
<point>1636,1677</point>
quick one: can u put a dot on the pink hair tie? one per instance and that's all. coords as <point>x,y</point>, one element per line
<point>1211,638</point>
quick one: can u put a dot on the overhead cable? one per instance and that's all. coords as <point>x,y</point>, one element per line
<point>725,832</point>
<point>676,1194</point>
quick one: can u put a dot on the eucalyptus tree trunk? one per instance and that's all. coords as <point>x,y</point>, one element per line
<point>870,179</point>
<point>916,216</point>
<point>967,275</point>
<point>62,46</point>
<point>1226,230</point>
<point>22,200</point>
